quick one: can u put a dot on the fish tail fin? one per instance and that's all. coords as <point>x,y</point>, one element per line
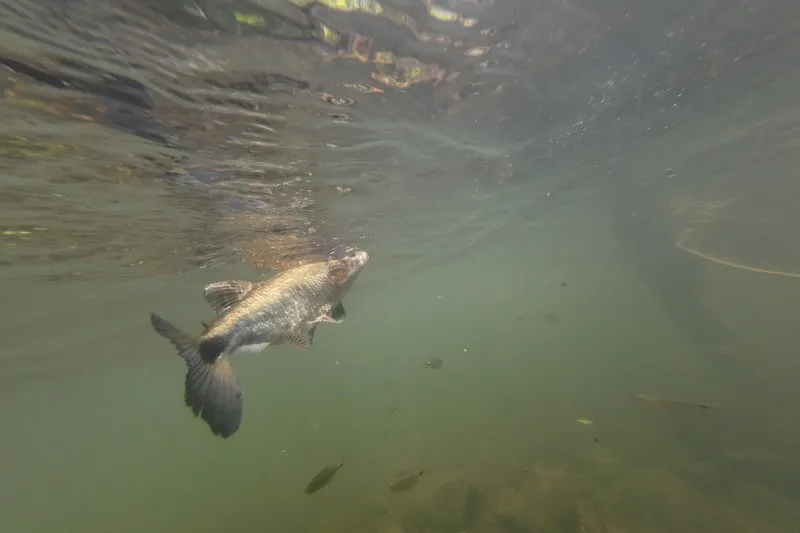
<point>212,390</point>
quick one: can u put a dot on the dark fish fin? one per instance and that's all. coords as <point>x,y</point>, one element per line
<point>212,348</point>
<point>334,316</point>
<point>311,332</point>
<point>223,294</point>
<point>182,341</point>
<point>338,313</point>
<point>298,339</point>
<point>205,326</point>
<point>338,274</point>
<point>212,390</point>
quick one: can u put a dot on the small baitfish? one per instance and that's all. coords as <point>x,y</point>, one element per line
<point>405,482</point>
<point>435,362</point>
<point>322,478</point>
<point>664,404</point>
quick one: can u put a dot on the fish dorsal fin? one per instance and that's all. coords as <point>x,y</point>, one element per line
<point>298,339</point>
<point>223,294</point>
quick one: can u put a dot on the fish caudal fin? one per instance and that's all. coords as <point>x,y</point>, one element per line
<point>212,390</point>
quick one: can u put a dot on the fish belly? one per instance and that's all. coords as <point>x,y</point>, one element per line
<point>249,349</point>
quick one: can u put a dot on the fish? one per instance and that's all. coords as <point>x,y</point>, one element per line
<point>250,317</point>
<point>664,404</point>
<point>477,51</point>
<point>435,362</point>
<point>322,478</point>
<point>405,482</point>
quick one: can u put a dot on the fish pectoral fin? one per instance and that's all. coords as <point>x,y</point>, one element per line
<point>325,319</point>
<point>334,316</point>
<point>223,294</point>
<point>338,313</point>
<point>298,339</point>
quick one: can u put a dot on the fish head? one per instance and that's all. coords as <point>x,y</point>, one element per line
<point>351,260</point>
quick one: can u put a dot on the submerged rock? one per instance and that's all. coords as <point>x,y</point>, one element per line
<point>455,507</point>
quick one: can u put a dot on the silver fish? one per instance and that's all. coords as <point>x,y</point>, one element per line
<point>322,478</point>
<point>405,481</point>
<point>251,316</point>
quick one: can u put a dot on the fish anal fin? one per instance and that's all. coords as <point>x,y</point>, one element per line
<point>223,294</point>
<point>298,339</point>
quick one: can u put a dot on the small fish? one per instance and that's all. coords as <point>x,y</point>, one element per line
<point>435,362</point>
<point>405,482</point>
<point>442,14</point>
<point>552,317</point>
<point>664,404</point>
<point>362,87</point>
<point>322,478</point>
<point>251,316</point>
<point>584,421</point>
<point>477,51</point>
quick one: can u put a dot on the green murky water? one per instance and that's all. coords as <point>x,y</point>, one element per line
<point>563,248</point>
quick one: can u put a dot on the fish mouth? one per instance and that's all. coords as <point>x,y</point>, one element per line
<point>352,258</point>
<point>358,259</point>
<point>357,256</point>
<point>355,259</point>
